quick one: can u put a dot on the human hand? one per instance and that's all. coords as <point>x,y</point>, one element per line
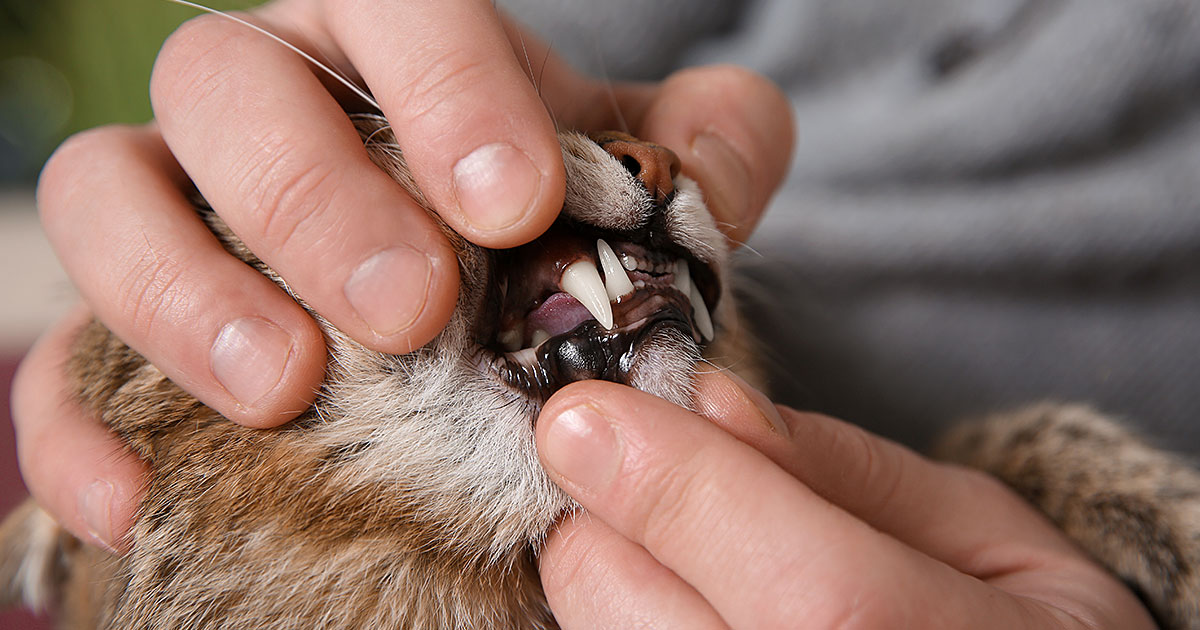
<point>269,147</point>
<point>756,516</point>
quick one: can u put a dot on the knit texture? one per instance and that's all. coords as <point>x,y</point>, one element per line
<point>992,201</point>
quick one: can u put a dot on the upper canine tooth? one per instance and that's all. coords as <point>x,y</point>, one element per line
<point>616,281</point>
<point>582,281</point>
<point>703,319</point>
<point>683,277</point>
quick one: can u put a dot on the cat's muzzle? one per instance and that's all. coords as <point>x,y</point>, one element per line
<point>579,303</point>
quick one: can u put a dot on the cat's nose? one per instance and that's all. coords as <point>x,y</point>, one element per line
<point>655,166</point>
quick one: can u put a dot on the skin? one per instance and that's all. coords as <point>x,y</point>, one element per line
<point>287,173</point>
<point>751,515</point>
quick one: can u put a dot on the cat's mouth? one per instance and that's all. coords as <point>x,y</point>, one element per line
<point>579,303</point>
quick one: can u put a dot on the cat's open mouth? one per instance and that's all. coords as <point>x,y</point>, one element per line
<point>578,303</point>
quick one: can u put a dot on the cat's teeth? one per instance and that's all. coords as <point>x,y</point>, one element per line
<point>582,281</point>
<point>511,338</point>
<point>629,262</point>
<point>703,319</point>
<point>616,281</point>
<point>683,277</point>
<point>538,337</point>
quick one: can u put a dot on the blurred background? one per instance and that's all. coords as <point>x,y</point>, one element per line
<point>65,66</point>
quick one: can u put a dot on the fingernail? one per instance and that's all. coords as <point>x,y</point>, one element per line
<point>95,505</point>
<point>248,358</point>
<point>582,447</point>
<point>495,186</point>
<point>389,289</point>
<point>724,177</point>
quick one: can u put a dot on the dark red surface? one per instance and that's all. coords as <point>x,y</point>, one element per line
<point>12,491</point>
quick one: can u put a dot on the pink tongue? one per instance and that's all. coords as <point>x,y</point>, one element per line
<point>560,313</point>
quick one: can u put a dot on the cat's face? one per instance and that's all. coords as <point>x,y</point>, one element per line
<point>625,286</point>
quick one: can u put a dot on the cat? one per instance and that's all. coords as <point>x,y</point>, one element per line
<point>410,495</point>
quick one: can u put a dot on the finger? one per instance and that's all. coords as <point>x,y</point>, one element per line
<point>737,146</point>
<point>273,153</point>
<point>477,138</point>
<point>78,471</point>
<point>596,578</point>
<point>893,489</point>
<point>760,547</point>
<point>212,324</point>
<point>962,518</point>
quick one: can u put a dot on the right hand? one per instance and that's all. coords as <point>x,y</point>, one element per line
<point>751,515</point>
<point>256,130</point>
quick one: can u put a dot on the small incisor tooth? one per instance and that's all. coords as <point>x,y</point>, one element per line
<point>511,339</point>
<point>703,318</point>
<point>616,281</point>
<point>582,281</point>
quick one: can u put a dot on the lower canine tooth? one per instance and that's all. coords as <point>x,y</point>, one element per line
<point>582,281</point>
<point>703,319</point>
<point>538,337</point>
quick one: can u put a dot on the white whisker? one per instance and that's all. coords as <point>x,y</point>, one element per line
<point>612,94</point>
<point>538,86</point>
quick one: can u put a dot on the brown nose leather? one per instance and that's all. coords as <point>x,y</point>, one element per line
<point>653,165</point>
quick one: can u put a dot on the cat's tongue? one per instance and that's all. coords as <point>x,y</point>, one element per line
<point>559,314</point>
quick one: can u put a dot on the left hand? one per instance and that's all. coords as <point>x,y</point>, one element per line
<point>756,516</point>
<point>303,197</point>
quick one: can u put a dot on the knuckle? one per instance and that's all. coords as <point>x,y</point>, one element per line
<point>862,595</point>
<point>94,153</point>
<point>36,416</point>
<point>743,84</point>
<point>730,77</point>
<point>283,192</point>
<point>980,484</point>
<point>880,468</point>
<point>672,499</point>
<point>436,91</point>
<point>147,290</point>
<point>28,436</point>
<point>568,566</point>
<point>862,611</point>
<point>197,60</point>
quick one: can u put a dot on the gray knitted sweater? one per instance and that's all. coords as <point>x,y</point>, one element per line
<point>992,201</point>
